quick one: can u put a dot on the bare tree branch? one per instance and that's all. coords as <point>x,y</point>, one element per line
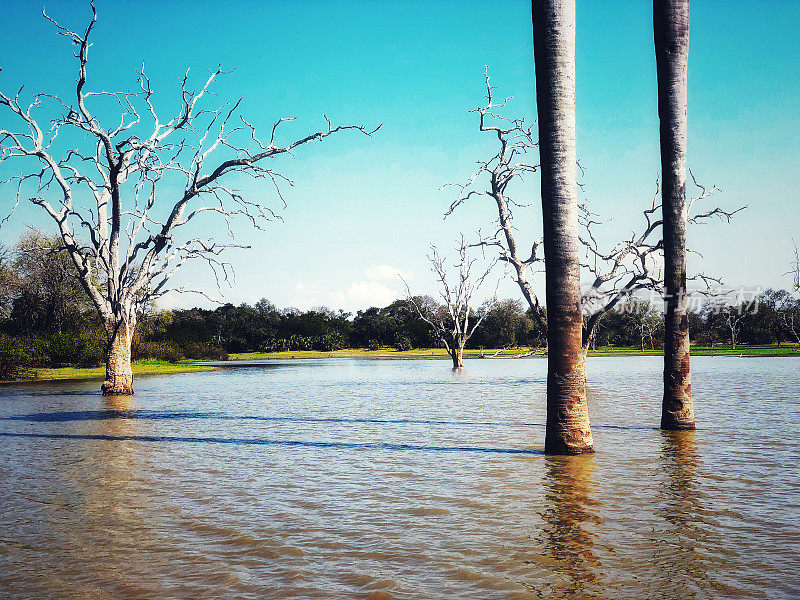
<point>631,265</point>
<point>515,140</point>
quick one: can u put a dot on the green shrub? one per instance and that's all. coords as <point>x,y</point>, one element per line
<point>15,360</point>
<point>166,351</point>
<point>195,351</point>
<point>403,344</point>
<point>85,349</point>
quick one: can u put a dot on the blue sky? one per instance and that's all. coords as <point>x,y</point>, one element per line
<point>363,208</point>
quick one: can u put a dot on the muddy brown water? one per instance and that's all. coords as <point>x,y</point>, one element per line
<point>351,478</point>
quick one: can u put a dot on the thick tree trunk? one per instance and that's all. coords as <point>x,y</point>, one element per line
<point>568,429</point>
<point>119,375</point>
<point>457,354</point>
<point>671,36</point>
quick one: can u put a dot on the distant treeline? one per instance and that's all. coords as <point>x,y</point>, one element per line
<point>46,320</point>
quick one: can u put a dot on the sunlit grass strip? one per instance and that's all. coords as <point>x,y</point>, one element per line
<point>143,367</point>
<point>721,350</point>
<point>155,367</point>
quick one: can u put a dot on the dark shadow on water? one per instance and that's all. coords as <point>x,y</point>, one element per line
<point>265,442</point>
<point>100,415</point>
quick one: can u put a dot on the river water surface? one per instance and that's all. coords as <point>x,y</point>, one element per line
<point>348,478</point>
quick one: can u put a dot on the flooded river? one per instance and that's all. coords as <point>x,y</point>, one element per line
<point>378,479</point>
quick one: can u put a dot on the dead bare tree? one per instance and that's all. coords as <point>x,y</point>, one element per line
<point>515,140</point>
<point>632,265</point>
<point>789,311</point>
<point>791,320</point>
<point>644,317</point>
<point>734,315</point>
<point>455,321</point>
<point>789,307</point>
<point>109,197</point>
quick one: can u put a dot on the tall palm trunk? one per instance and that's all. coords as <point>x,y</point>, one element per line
<point>671,35</point>
<point>568,429</point>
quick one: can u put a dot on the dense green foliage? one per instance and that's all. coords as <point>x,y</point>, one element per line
<point>46,320</point>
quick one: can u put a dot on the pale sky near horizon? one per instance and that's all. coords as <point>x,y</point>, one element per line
<point>363,209</point>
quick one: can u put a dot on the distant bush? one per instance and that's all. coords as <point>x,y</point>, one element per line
<point>329,342</point>
<point>84,349</point>
<point>166,351</point>
<point>403,344</point>
<point>373,345</point>
<point>15,359</point>
<point>195,351</point>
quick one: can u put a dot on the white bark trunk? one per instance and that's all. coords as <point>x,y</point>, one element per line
<point>119,374</point>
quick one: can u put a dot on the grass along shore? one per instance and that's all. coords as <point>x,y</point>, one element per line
<point>156,367</point>
<point>140,367</point>
<point>439,353</point>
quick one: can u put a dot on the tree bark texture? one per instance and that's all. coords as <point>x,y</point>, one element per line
<point>457,354</point>
<point>568,430</point>
<point>671,36</point>
<point>119,374</point>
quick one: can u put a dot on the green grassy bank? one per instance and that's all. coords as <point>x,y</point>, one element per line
<point>720,350</point>
<point>142,367</point>
<point>154,367</point>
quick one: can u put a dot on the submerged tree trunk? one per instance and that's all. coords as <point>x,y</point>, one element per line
<point>568,429</point>
<point>671,36</point>
<point>457,354</point>
<point>119,375</point>
<point>456,350</point>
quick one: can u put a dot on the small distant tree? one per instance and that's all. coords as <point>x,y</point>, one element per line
<point>791,320</point>
<point>135,186</point>
<point>645,318</point>
<point>734,319</point>
<point>790,315</point>
<point>505,326</point>
<point>789,308</point>
<point>455,321</point>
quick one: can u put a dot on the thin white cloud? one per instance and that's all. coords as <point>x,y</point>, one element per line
<point>363,294</point>
<point>386,272</point>
<point>358,295</point>
<point>382,286</point>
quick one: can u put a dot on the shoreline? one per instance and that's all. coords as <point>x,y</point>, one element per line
<point>523,352</point>
<point>142,368</point>
<point>152,367</point>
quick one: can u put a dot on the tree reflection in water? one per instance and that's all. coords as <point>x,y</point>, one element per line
<point>569,517</point>
<point>684,570</point>
<point>114,499</point>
